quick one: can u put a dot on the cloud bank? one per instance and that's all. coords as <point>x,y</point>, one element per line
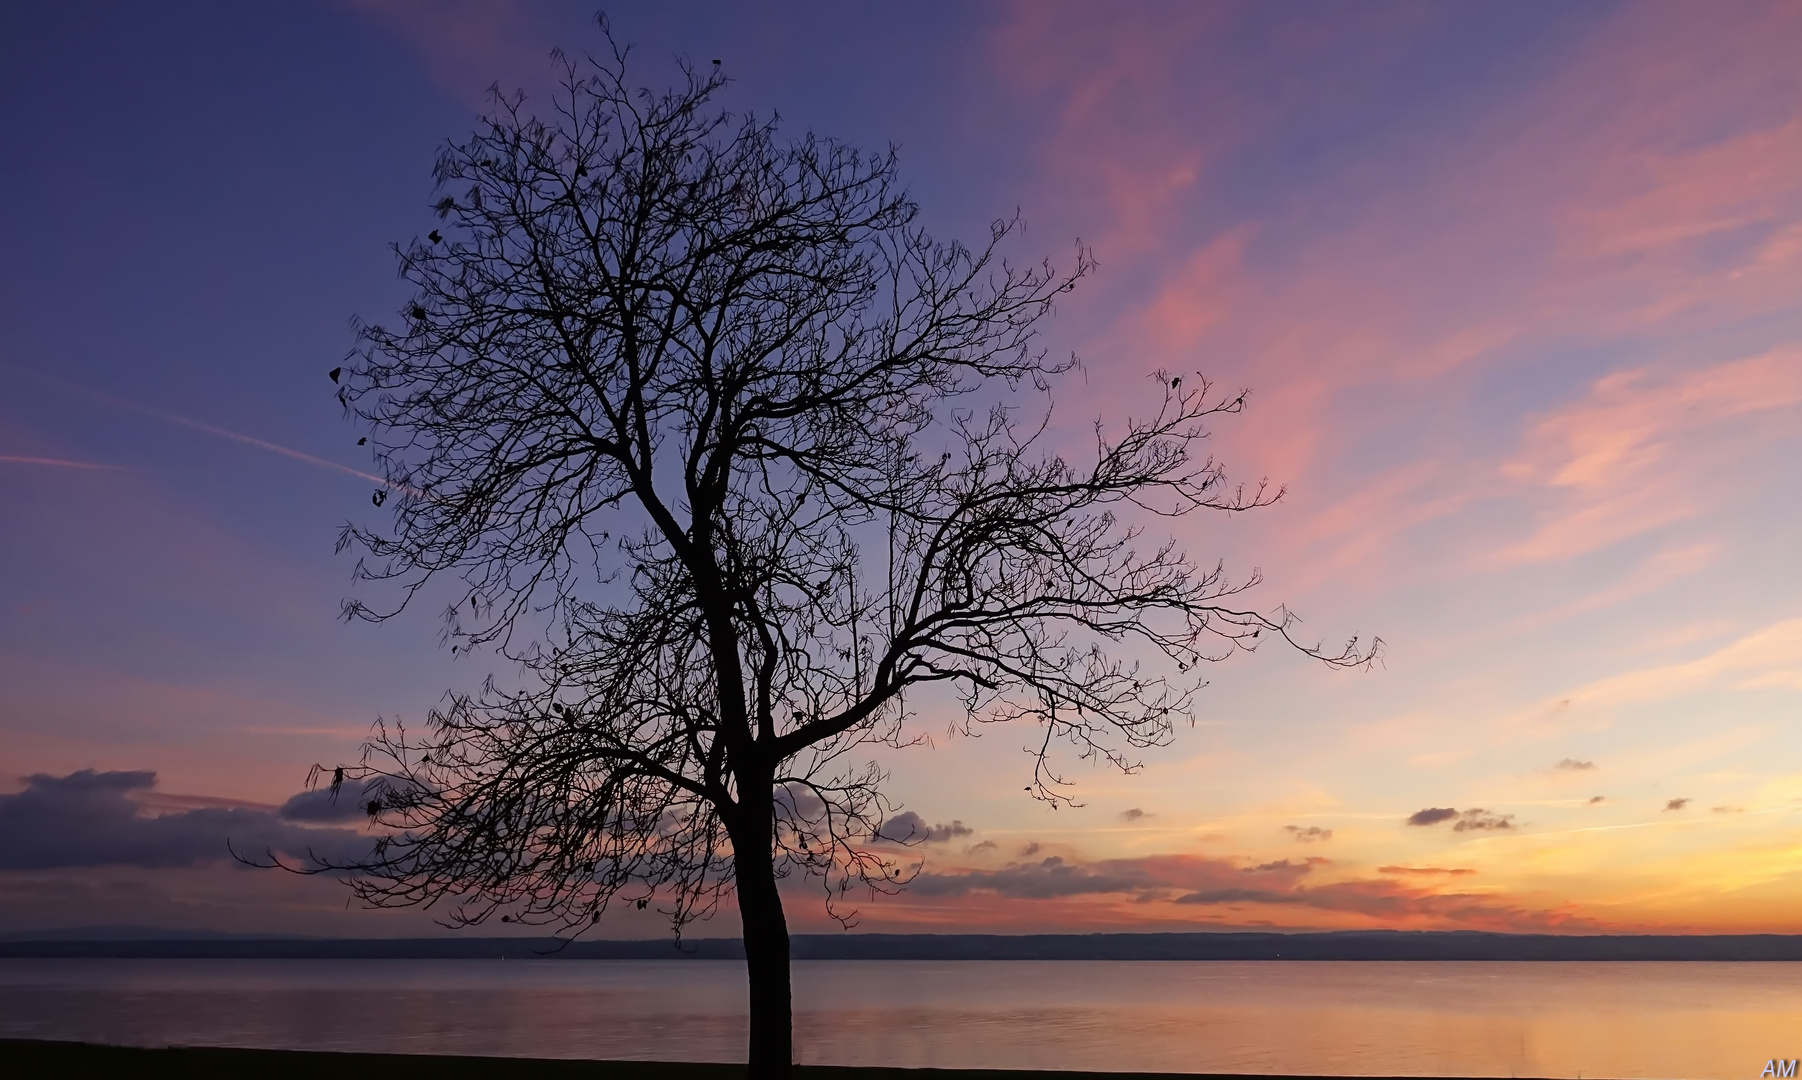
<point>88,819</point>
<point>1198,882</point>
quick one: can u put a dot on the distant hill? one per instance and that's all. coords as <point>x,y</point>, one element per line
<point>125,932</point>
<point>1344,945</point>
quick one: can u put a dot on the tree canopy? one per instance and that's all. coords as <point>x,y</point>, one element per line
<point>724,453</point>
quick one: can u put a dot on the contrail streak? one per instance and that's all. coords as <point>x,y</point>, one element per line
<point>210,429</point>
<point>18,460</point>
<point>247,440</point>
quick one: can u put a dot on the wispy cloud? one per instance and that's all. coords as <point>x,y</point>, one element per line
<point>1632,455</point>
<point>15,459</point>
<point>1430,871</point>
<point>1770,657</point>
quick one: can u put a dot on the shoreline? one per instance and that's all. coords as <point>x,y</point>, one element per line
<point>42,1056</point>
<point>1352,945</point>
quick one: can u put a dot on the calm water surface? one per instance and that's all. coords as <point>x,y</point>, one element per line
<point>1702,1020</point>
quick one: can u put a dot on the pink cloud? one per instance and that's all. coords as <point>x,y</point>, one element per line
<point>1640,450</point>
<point>1651,184</point>
<point>1148,100</point>
<point>1101,69</point>
<point>466,46</point>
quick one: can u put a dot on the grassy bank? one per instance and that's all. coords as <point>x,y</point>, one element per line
<point>27,1057</point>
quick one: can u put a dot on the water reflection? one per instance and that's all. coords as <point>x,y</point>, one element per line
<point>1705,1020</point>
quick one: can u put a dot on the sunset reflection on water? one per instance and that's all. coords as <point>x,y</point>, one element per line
<point>1703,1020</point>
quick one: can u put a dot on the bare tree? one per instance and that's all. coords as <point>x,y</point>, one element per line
<point>708,437</point>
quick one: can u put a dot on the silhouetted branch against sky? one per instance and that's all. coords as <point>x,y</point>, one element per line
<point>720,449</point>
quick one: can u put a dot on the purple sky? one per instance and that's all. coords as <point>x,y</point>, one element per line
<point>1518,288</point>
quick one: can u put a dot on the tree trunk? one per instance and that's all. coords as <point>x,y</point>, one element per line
<point>766,947</point>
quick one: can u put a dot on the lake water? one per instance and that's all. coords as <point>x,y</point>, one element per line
<point>1699,1020</point>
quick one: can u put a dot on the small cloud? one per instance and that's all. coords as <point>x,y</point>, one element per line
<point>910,828</point>
<point>1283,866</point>
<point>1309,834</point>
<point>986,845</point>
<point>1676,804</point>
<point>1573,765</point>
<point>1478,818</point>
<point>942,832</point>
<point>1432,815</point>
<point>1729,809</point>
<point>1452,870</point>
<point>1030,850</point>
<point>1134,814</point>
<point>1593,799</point>
<point>322,804</point>
<point>904,828</point>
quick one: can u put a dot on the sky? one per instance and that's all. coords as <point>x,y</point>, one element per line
<point>1516,289</point>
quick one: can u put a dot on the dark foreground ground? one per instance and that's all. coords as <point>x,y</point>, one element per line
<point>23,1057</point>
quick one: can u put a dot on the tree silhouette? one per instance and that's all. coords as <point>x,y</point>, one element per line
<point>709,439</point>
